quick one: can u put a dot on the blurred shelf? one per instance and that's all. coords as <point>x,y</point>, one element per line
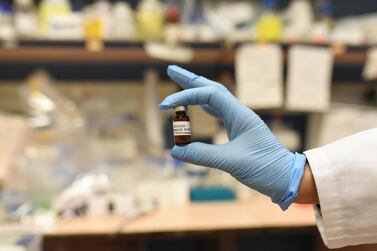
<point>113,52</point>
<point>125,52</point>
<point>128,59</point>
<point>108,43</point>
<point>81,55</point>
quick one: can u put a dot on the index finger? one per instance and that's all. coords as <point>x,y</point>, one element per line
<point>197,96</point>
<point>188,80</point>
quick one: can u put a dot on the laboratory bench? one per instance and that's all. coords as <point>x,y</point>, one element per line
<point>243,225</point>
<point>254,224</point>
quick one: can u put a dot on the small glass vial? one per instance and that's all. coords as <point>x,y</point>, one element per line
<point>181,126</point>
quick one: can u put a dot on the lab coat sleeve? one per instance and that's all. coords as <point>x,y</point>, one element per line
<point>345,173</point>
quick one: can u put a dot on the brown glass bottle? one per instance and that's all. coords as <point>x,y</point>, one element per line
<point>181,126</point>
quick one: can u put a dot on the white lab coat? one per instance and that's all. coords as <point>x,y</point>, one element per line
<point>345,173</point>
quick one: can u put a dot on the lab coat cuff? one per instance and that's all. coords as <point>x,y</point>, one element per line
<point>329,214</point>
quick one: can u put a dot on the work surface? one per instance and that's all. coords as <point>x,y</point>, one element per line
<point>226,226</point>
<point>256,213</point>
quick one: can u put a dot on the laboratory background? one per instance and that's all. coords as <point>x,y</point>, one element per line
<point>84,147</point>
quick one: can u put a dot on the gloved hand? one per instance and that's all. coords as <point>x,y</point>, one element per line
<point>253,155</point>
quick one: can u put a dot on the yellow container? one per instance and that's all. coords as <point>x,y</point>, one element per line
<point>150,20</point>
<point>269,28</point>
<point>49,9</point>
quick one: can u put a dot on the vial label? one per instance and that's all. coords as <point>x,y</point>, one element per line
<point>181,128</point>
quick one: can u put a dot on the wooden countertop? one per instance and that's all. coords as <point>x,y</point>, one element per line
<point>257,213</point>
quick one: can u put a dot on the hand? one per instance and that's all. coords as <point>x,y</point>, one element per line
<point>253,155</point>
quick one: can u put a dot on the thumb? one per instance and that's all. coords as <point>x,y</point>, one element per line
<point>199,154</point>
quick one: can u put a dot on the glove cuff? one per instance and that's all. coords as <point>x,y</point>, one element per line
<point>294,183</point>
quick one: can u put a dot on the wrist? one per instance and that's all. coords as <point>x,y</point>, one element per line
<point>307,193</point>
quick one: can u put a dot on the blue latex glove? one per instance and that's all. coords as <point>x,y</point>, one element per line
<point>253,155</point>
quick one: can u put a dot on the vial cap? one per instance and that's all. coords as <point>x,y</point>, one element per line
<point>180,108</point>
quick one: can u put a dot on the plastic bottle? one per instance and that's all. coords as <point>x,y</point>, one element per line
<point>324,22</point>
<point>123,21</point>
<point>49,9</point>
<point>25,19</point>
<point>104,13</point>
<point>299,18</point>
<point>269,25</point>
<point>93,25</point>
<point>7,33</point>
<point>98,21</point>
<point>150,20</point>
